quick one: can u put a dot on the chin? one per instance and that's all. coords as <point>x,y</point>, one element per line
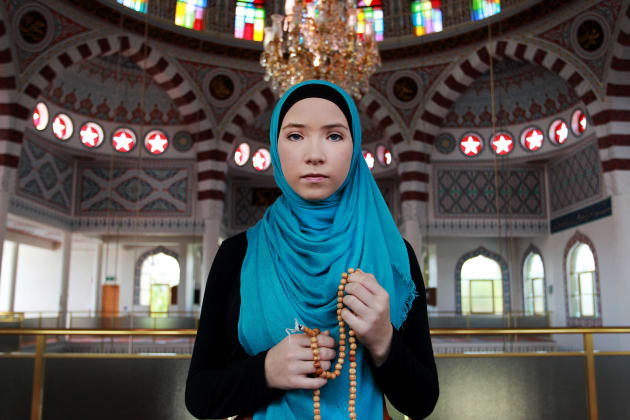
<point>315,195</point>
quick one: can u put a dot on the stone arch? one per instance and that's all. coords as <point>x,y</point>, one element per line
<point>505,276</point>
<point>163,70</point>
<point>428,120</point>
<point>533,249</point>
<point>612,135</point>
<point>572,321</point>
<point>138,268</point>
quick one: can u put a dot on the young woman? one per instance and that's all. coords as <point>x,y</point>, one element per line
<point>249,359</point>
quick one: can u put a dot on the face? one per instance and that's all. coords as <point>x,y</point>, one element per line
<point>315,139</point>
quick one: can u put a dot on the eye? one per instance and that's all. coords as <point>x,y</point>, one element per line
<point>335,137</point>
<point>292,136</point>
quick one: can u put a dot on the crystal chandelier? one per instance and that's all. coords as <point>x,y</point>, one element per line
<point>319,41</point>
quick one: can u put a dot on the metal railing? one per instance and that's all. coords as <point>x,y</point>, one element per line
<point>588,352</point>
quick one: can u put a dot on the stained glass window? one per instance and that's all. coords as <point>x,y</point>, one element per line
<point>370,10</point>
<point>189,13</point>
<point>137,5</point>
<point>427,16</point>
<point>481,9</point>
<point>250,19</point>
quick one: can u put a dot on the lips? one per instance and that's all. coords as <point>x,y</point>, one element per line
<point>314,176</point>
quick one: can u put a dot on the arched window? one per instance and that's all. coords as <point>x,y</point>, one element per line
<point>481,286</point>
<point>582,291</point>
<point>249,19</point>
<point>534,284</point>
<point>581,276</point>
<point>157,274</point>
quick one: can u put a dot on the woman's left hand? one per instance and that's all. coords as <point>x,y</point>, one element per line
<point>366,311</point>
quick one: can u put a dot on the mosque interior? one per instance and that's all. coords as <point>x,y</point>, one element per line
<point>135,139</point>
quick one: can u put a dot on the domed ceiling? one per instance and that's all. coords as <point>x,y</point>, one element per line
<point>111,88</point>
<point>523,92</point>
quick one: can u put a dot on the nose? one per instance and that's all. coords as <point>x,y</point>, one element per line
<point>314,152</point>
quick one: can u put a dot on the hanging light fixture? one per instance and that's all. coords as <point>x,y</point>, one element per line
<point>318,40</point>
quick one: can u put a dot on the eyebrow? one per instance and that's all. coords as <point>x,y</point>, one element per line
<point>327,126</point>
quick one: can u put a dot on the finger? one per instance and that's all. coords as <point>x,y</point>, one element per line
<point>352,320</point>
<point>304,367</point>
<point>303,353</point>
<point>325,340</point>
<point>369,281</point>
<point>359,308</point>
<point>361,292</point>
<point>303,382</point>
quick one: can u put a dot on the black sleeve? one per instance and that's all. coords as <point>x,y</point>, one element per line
<point>408,377</point>
<point>223,380</point>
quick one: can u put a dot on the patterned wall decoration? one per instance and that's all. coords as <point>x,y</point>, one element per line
<point>427,75</point>
<point>566,34</point>
<point>159,190</point>
<point>523,92</point>
<point>575,179</point>
<point>504,273</point>
<point>45,177</point>
<point>92,88</point>
<point>203,74</point>
<point>472,193</point>
<point>58,28</point>
<point>138,269</point>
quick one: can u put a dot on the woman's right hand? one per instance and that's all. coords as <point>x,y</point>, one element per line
<point>288,363</point>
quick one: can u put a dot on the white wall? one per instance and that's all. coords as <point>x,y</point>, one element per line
<point>82,281</point>
<point>38,280</point>
<point>611,238</point>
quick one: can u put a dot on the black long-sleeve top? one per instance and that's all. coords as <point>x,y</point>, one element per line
<point>223,380</point>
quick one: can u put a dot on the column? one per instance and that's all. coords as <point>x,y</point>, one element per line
<point>212,211</point>
<point>7,303</point>
<point>7,185</point>
<point>183,278</point>
<point>98,277</point>
<point>65,277</point>
<point>413,214</point>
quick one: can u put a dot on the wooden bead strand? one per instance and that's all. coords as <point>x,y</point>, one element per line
<point>336,369</point>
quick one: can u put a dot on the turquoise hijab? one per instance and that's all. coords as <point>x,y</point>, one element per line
<point>294,260</point>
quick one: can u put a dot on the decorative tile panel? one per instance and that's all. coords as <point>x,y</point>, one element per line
<point>45,177</point>
<point>472,192</point>
<point>575,179</point>
<point>124,191</point>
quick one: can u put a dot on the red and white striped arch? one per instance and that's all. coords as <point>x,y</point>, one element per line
<point>212,160</point>
<point>612,123</point>
<point>163,71</point>
<point>410,161</point>
<point>453,85</point>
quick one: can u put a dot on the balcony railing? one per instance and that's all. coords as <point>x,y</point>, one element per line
<point>40,355</point>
